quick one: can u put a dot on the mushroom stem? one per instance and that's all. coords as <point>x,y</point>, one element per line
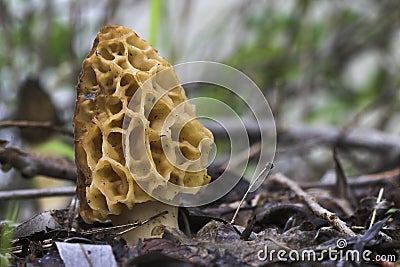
<point>144,211</point>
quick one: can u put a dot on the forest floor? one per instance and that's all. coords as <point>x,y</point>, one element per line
<point>283,223</point>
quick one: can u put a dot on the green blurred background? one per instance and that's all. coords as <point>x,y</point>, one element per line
<point>319,63</point>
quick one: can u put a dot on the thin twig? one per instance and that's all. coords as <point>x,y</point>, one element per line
<point>36,124</point>
<point>125,227</point>
<point>31,165</point>
<point>263,171</point>
<point>143,222</point>
<point>379,199</point>
<point>87,258</point>
<point>317,209</point>
<point>36,193</point>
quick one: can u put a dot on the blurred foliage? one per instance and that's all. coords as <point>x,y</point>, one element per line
<point>301,53</point>
<point>59,42</point>
<point>56,147</point>
<point>304,55</point>
<point>321,62</point>
<point>40,36</point>
<point>155,15</point>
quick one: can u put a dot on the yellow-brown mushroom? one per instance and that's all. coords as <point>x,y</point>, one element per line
<point>118,64</point>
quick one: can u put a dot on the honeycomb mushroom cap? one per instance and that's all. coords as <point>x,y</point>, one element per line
<point>118,64</point>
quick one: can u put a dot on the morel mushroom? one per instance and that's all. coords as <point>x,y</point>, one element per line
<point>118,64</point>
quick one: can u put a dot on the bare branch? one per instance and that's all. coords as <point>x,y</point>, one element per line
<point>36,124</point>
<point>317,209</point>
<point>30,165</point>
<point>376,180</point>
<point>36,193</point>
<point>371,140</point>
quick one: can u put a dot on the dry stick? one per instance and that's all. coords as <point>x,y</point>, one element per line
<point>383,178</point>
<point>30,165</point>
<point>371,140</point>
<point>321,212</point>
<point>35,193</point>
<point>36,124</point>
